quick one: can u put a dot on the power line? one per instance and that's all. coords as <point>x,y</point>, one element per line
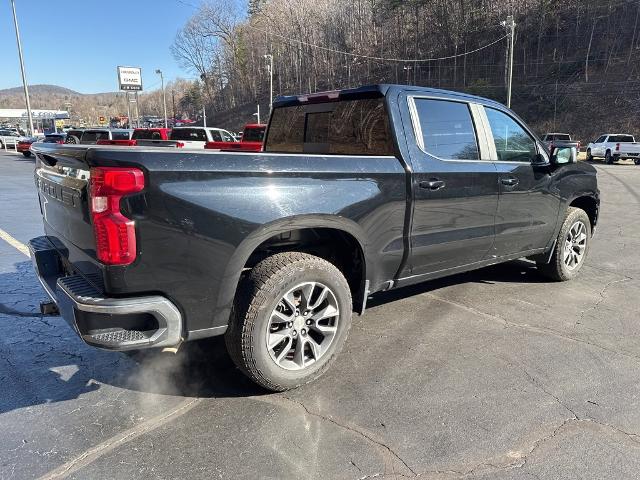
<point>369,57</point>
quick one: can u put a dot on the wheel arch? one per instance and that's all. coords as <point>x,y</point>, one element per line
<point>293,234</point>
<point>590,205</point>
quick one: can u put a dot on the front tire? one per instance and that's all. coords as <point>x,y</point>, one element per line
<point>291,317</point>
<point>26,154</point>
<point>571,248</point>
<point>636,161</point>
<point>589,156</point>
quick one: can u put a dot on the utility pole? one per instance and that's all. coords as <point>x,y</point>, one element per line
<point>510,25</point>
<point>555,106</point>
<point>173,99</point>
<point>258,112</point>
<point>24,76</point>
<point>164,98</point>
<point>269,57</point>
<point>204,116</point>
<point>408,70</point>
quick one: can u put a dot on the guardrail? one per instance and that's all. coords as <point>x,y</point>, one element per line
<point>9,142</point>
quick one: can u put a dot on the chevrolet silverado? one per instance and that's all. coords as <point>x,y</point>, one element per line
<point>356,191</point>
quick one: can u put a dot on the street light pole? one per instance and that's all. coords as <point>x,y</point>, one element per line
<point>24,76</point>
<point>164,98</point>
<point>270,67</point>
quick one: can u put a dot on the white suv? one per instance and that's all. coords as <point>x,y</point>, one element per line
<point>197,137</point>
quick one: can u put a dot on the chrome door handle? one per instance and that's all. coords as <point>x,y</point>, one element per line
<point>509,181</point>
<point>433,184</point>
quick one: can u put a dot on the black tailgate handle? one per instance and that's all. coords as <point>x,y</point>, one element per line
<point>48,159</point>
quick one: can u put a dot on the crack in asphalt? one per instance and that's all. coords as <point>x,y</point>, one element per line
<point>274,400</point>
<point>549,331</point>
<point>602,298</point>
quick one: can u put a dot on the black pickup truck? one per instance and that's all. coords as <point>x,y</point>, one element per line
<point>357,191</point>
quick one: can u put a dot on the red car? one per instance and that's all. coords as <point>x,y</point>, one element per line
<point>24,145</point>
<point>251,140</point>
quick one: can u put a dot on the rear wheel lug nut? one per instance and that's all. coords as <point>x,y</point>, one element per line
<point>295,334</point>
<point>308,321</point>
<point>303,331</point>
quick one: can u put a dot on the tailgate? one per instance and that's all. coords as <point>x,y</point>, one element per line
<point>62,177</point>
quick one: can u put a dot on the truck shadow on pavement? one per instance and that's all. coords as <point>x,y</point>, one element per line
<point>43,361</point>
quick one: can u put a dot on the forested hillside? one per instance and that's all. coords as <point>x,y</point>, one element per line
<point>575,65</point>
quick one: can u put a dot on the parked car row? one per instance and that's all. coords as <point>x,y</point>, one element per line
<point>178,137</point>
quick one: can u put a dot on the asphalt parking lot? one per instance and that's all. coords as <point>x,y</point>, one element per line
<point>495,374</point>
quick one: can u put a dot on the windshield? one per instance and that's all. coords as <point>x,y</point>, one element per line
<point>253,134</point>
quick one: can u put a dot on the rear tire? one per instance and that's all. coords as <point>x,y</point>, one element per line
<point>26,154</point>
<point>72,139</point>
<point>636,161</point>
<point>571,247</point>
<point>608,158</point>
<point>274,352</point>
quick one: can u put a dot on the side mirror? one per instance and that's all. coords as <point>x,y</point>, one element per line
<point>563,155</point>
<point>539,160</point>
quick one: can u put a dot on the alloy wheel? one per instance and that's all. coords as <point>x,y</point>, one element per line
<point>575,245</point>
<point>302,326</point>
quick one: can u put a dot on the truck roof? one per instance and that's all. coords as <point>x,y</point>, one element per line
<point>373,91</point>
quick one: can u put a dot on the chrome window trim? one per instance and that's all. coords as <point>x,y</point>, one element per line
<point>417,128</point>
<point>493,143</point>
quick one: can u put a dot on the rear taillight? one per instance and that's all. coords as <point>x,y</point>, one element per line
<point>115,234</point>
<point>180,145</point>
<point>59,142</point>
<point>617,147</point>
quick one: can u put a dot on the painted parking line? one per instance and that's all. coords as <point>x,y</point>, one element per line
<point>18,245</point>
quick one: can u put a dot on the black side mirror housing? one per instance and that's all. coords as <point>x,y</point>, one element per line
<point>539,160</point>
<point>564,155</point>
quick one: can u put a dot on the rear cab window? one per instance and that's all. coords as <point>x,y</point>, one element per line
<point>189,134</point>
<point>254,134</point>
<point>621,139</point>
<point>92,136</point>
<point>120,135</point>
<point>559,136</point>
<point>344,127</point>
<point>146,135</point>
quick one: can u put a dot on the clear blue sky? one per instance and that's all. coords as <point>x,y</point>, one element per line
<point>78,43</point>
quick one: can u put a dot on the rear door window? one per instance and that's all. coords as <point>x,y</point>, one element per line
<point>346,127</point>
<point>447,129</point>
<point>513,143</point>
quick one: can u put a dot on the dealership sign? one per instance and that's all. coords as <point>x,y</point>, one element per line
<point>130,78</point>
